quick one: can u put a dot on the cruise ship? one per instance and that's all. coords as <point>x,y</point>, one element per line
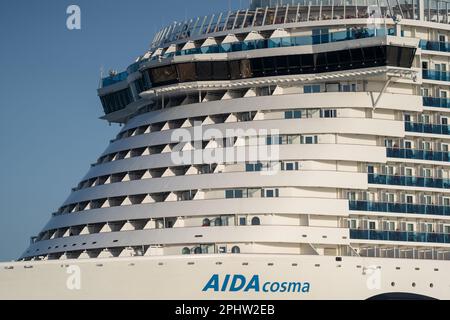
<point>290,150</point>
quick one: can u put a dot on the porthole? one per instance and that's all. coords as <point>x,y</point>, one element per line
<point>186,250</point>
<point>198,250</point>
<point>392,284</point>
<point>413,284</point>
<point>256,221</point>
<point>235,249</point>
<point>431,285</point>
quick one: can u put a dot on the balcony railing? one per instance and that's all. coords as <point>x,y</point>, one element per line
<point>418,154</point>
<point>400,208</point>
<point>434,46</point>
<point>349,34</point>
<point>114,79</point>
<point>436,75</point>
<point>427,128</point>
<point>436,102</point>
<point>400,236</point>
<point>408,181</point>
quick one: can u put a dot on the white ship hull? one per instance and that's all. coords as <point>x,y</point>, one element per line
<point>185,278</point>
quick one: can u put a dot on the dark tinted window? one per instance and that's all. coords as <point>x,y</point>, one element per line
<point>220,70</point>
<point>204,71</point>
<point>235,69</point>
<point>269,66</point>
<point>392,56</point>
<point>307,63</point>
<point>186,72</point>
<point>406,57</point>
<point>116,101</point>
<point>294,63</point>
<point>257,67</point>
<point>164,75</point>
<point>283,65</point>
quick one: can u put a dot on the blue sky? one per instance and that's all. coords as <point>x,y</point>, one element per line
<point>49,127</point>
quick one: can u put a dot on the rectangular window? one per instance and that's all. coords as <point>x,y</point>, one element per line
<point>293,114</point>
<point>220,70</point>
<point>164,75</point>
<point>315,88</point>
<point>242,221</point>
<point>388,143</point>
<point>231,194</point>
<point>410,227</point>
<point>310,139</point>
<point>409,199</point>
<point>270,193</point>
<point>329,113</point>
<point>186,72</point>
<point>372,225</point>
<point>291,166</point>
<point>204,71</point>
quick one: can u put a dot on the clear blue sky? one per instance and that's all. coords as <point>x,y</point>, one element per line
<point>49,127</point>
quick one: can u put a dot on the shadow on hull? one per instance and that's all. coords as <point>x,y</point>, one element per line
<point>400,296</point>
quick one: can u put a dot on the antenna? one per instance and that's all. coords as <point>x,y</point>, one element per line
<point>100,84</point>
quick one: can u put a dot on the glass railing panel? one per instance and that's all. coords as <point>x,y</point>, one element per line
<point>426,128</point>
<point>434,46</point>
<point>115,79</point>
<point>399,236</point>
<point>399,208</point>
<point>210,49</point>
<point>418,154</point>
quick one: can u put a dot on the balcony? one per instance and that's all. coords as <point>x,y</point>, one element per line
<point>400,236</point>
<point>436,102</point>
<point>408,181</point>
<point>427,128</point>
<point>436,75</point>
<point>434,46</point>
<point>418,154</point>
<point>349,34</point>
<point>400,208</point>
<point>114,79</point>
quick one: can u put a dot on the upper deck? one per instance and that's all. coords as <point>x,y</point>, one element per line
<point>280,13</point>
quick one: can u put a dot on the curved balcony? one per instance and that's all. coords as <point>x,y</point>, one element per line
<point>400,236</point>
<point>349,34</point>
<point>400,208</point>
<point>409,181</point>
<point>108,81</point>
<point>418,154</point>
<point>427,128</point>
<point>272,15</point>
